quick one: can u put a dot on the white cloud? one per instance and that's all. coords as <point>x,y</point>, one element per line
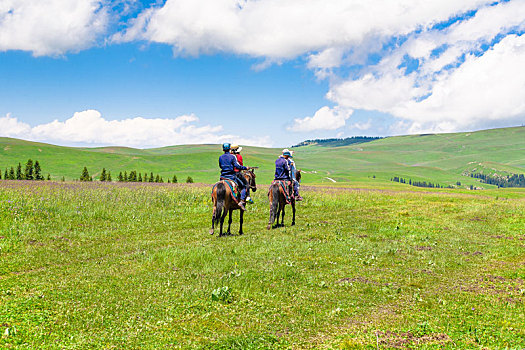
<point>51,27</point>
<point>325,118</point>
<point>280,29</point>
<point>362,126</point>
<point>463,86</point>
<point>11,127</point>
<point>89,127</point>
<point>481,90</point>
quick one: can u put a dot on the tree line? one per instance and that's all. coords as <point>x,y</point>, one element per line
<point>133,176</point>
<point>31,171</point>
<point>420,183</point>
<point>512,180</point>
<point>338,142</point>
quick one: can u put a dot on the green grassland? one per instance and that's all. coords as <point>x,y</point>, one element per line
<point>440,158</point>
<point>114,266</point>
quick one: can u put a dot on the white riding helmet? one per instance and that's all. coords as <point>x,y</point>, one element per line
<point>287,152</point>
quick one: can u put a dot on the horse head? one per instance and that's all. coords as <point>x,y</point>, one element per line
<point>249,175</point>
<point>298,175</point>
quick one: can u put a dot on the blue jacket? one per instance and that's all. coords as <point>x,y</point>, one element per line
<point>282,169</point>
<point>228,163</point>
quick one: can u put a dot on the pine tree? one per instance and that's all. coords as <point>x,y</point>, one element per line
<point>12,174</point>
<point>108,178</point>
<point>0,175</point>
<point>48,177</point>
<point>6,175</point>
<point>120,177</point>
<point>38,170</point>
<point>157,179</point>
<point>168,180</point>
<point>85,175</point>
<point>125,176</point>
<point>189,180</point>
<point>63,179</point>
<point>145,177</point>
<point>151,178</point>
<point>28,174</point>
<point>19,175</point>
<point>174,180</point>
<point>140,177</point>
<point>161,180</point>
<point>103,175</point>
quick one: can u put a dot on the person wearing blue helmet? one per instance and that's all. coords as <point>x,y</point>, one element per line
<point>228,163</point>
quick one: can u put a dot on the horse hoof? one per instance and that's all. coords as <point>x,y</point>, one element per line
<point>211,232</point>
<point>293,223</point>
<point>241,233</point>
<point>268,227</point>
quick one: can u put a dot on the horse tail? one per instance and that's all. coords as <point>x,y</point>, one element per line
<point>221,195</point>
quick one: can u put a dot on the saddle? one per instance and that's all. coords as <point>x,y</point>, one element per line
<point>234,189</point>
<point>285,187</point>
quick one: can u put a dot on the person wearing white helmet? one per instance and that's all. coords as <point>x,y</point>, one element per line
<point>285,170</point>
<point>293,174</point>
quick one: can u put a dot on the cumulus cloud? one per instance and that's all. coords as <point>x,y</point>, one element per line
<point>279,29</point>
<point>325,118</point>
<point>362,126</point>
<point>437,58</point>
<point>468,75</point>
<point>89,127</point>
<point>51,27</point>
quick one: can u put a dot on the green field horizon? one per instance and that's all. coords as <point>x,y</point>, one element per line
<point>443,159</point>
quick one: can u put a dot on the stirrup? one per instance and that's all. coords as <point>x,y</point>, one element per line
<point>249,200</point>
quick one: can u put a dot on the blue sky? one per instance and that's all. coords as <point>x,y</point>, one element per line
<point>150,74</point>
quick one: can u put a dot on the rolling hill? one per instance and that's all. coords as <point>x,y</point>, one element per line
<point>438,158</point>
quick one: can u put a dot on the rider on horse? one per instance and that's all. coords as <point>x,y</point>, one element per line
<point>228,163</point>
<point>285,170</point>
<point>236,150</point>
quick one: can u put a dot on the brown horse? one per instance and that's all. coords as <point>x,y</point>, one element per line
<point>278,201</point>
<point>224,203</point>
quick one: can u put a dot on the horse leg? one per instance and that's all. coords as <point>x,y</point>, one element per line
<point>222,221</point>
<point>293,212</point>
<point>278,215</point>
<point>240,221</point>
<point>282,219</point>
<point>229,221</point>
<point>273,207</point>
<point>213,220</point>
<point>272,218</point>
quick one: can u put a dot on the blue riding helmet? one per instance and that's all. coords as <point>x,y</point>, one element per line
<point>226,147</point>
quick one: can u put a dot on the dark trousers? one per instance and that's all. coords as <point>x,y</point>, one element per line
<point>241,180</point>
<point>242,184</point>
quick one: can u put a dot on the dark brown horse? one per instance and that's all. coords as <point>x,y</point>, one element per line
<point>278,200</point>
<point>224,203</point>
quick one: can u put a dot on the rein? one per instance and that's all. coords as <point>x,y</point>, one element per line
<point>251,177</point>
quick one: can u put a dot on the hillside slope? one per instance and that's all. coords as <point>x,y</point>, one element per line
<point>441,158</point>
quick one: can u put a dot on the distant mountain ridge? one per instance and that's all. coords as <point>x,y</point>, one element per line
<point>338,142</point>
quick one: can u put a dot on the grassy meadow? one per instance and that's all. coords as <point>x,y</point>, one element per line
<point>113,266</point>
